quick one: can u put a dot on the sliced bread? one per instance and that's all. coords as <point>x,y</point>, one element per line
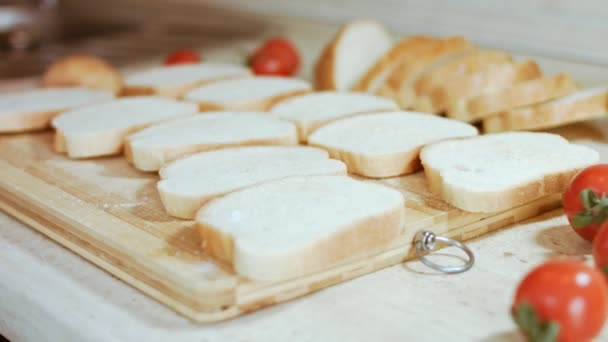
<point>350,54</point>
<point>385,144</point>
<point>458,67</point>
<point>300,225</point>
<point>99,129</point>
<point>400,84</point>
<point>187,184</point>
<point>34,109</point>
<point>253,93</point>
<point>451,96</point>
<point>150,148</point>
<point>375,77</point>
<point>583,105</point>
<point>173,81</point>
<point>314,110</point>
<point>518,95</point>
<point>496,172</point>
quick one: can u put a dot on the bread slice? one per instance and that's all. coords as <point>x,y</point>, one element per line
<point>583,105</point>
<point>385,144</point>
<point>350,54</point>
<point>400,84</point>
<point>496,172</point>
<point>300,225</point>
<point>33,110</point>
<point>254,93</point>
<point>451,97</point>
<point>407,48</point>
<point>465,65</point>
<point>151,148</point>
<point>187,184</point>
<point>175,80</point>
<point>99,129</point>
<point>314,110</point>
<point>519,94</point>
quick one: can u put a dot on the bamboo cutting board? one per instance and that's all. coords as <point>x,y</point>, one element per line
<point>110,214</point>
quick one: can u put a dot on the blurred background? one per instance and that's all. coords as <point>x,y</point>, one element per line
<point>33,33</point>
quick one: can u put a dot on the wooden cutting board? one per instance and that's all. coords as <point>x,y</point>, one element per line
<point>109,213</point>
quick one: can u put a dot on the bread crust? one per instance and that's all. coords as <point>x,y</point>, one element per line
<point>324,74</point>
<point>257,105</point>
<point>175,92</point>
<point>404,49</point>
<point>451,97</point>
<point>547,115</point>
<point>518,95</point>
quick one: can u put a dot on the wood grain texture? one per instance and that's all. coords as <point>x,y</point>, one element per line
<point>110,214</point>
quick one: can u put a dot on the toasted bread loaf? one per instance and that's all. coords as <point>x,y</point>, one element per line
<point>34,109</point>
<point>583,105</point>
<point>517,95</point>
<point>458,67</point>
<point>350,54</point>
<point>83,71</point>
<point>150,148</point>
<point>175,80</point>
<point>407,48</point>
<point>300,225</point>
<point>496,172</point>
<point>385,144</point>
<point>99,129</point>
<point>314,110</point>
<point>251,94</point>
<point>451,97</point>
<point>400,83</point>
<point>188,183</point>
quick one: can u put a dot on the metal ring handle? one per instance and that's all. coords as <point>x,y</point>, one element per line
<point>425,242</point>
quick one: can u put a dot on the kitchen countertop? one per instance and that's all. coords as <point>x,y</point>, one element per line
<point>49,293</point>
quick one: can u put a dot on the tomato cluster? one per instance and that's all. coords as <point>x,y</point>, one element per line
<point>275,57</point>
<point>567,300</point>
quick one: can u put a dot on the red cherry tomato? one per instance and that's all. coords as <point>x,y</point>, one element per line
<point>280,54</point>
<point>585,200</point>
<point>600,249</point>
<point>183,56</point>
<point>563,299</point>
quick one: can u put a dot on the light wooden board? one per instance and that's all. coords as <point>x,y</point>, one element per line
<point>110,214</point>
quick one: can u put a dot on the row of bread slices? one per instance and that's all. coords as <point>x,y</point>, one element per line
<point>454,77</point>
<point>279,211</point>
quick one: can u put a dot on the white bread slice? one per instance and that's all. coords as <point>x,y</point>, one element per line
<point>400,84</point>
<point>517,95</point>
<point>150,148</point>
<point>300,225</point>
<point>385,144</point>
<point>188,183</point>
<point>33,110</point>
<point>314,110</point>
<point>496,172</point>
<point>408,47</point>
<point>253,93</point>
<point>350,54</point>
<point>174,80</point>
<point>458,67</point>
<point>451,97</point>
<point>583,105</point>
<point>99,129</point>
